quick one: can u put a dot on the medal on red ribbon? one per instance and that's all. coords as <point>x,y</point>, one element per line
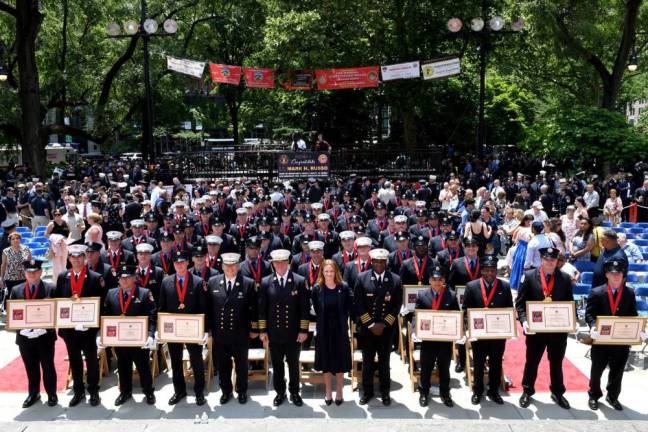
<point>471,275</point>
<point>182,292</point>
<point>487,299</point>
<point>420,272</point>
<point>77,285</point>
<point>123,307</point>
<point>547,289</point>
<point>614,302</point>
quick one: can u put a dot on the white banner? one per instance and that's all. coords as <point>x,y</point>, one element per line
<point>187,67</point>
<point>401,71</point>
<point>441,68</point>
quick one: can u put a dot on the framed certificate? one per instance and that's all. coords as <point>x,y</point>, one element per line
<point>84,311</point>
<point>124,331</point>
<point>460,291</point>
<point>409,295</point>
<point>31,314</point>
<point>181,328</point>
<point>551,317</point>
<point>615,330</point>
<point>432,325</point>
<point>496,323</point>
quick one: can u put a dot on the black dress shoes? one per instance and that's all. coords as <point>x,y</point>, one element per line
<point>52,400</point>
<point>475,399</point>
<point>459,368</point>
<point>225,397</point>
<point>614,403</point>
<point>386,400</point>
<point>76,399</point>
<point>123,398</point>
<point>242,398</point>
<point>296,399</point>
<point>31,400</point>
<point>150,398</point>
<point>447,400</point>
<point>560,401</point>
<point>423,400</point>
<point>364,400</point>
<point>177,397</point>
<point>278,400</point>
<point>200,400</point>
<point>593,404</point>
<point>94,399</point>
<point>495,397</point>
<point>525,400</point>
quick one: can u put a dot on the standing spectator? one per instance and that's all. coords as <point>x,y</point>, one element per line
<point>537,211</point>
<point>612,208</point>
<point>569,224</point>
<point>12,272</point>
<point>583,241</point>
<point>591,198</point>
<point>581,208</point>
<point>74,222</point>
<point>321,145</point>
<point>39,207</point>
<point>58,225</point>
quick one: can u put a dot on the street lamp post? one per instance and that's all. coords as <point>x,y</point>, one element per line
<point>146,29</point>
<point>633,61</point>
<point>484,32</point>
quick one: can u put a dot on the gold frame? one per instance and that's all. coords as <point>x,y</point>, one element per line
<point>67,300</point>
<point>552,303</point>
<point>412,287</point>
<point>642,326</point>
<point>46,301</point>
<point>163,315</point>
<point>105,320</point>
<point>460,324</point>
<point>508,311</point>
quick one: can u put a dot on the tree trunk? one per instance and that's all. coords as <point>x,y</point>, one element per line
<point>28,20</point>
<point>409,128</point>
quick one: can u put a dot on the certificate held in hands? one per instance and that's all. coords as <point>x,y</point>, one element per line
<point>496,323</point>
<point>181,328</point>
<point>551,317</point>
<point>80,311</point>
<point>619,330</point>
<point>31,314</point>
<point>124,331</point>
<point>434,325</point>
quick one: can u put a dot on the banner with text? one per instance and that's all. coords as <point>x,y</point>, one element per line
<point>347,78</point>
<point>441,68</point>
<point>225,74</point>
<point>298,79</point>
<point>187,67</point>
<point>401,71</point>
<point>259,77</point>
<point>291,165</point>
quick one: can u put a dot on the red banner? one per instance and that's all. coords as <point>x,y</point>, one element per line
<point>225,74</point>
<point>259,78</point>
<point>299,79</point>
<point>348,78</point>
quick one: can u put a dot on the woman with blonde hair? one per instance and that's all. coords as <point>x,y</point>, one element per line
<point>332,301</point>
<point>94,233</point>
<point>612,208</point>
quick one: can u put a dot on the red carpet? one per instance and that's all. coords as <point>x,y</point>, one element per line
<point>14,379</point>
<point>514,357</point>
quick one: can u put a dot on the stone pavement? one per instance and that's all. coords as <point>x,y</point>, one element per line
<point>259,414</point>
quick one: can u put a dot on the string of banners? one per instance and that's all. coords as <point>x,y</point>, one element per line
<point>322,79</point>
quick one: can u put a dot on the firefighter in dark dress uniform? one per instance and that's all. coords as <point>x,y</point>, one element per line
<point>148,275</point>
<point>129,299</point>
<point>233,321</point>
<point>614,298</point>
<point>378,296</point>
<point>487,292</point>
<point>184,293</point>
<point>438,297</point>
<point>36,345</point>
<point>545,283</point>
<point>80,341</point>
<point>284,304</point>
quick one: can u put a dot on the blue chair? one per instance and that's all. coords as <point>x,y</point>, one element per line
<point>38,252</point>
<point>632,236</point>
<point>627,225</point>
<point>642,308</point>
<point>632,277</point>
<point>581,289</point>
<point>606,224</point>
<point>642,224</point>
<point>40,239</point>
<point>586,278</point>
<point>635,267</point>
<point>640,242</point>
<point>619,229</point>
<point>40,230</point>
<point>584,266</point>
<point>641,290</point>
<point>33,245</point>
<point>636,230</point>
<point>22,230</point>
<point>27,235</point>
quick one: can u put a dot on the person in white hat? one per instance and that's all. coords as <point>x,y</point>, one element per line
<point>80,341</point>
<point>331,239</point>
<point>400,225</point>
<point>115,255</point>
<point>148,275</point>
<point>537,211</point>
<point>284,305</point>
<point>347,253</point>
<point>242,229</point>
<point>362,262</point>
<point>213,258</point>
<point>233,307</point>
<point>310,270</point>
<point>137,237</point>
<point>379,296</point>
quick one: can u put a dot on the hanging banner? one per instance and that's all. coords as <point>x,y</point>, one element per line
<point>347,78</point>
<point>303,164</point>
<point>401,71</point>
<point>441,68</point>
<point>298,79</point>
<point>225,74</point>
<point>259,78</point>
<point>187,67</point>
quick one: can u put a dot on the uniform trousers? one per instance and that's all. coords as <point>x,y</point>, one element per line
<point>372,345</point>
<point>197,366</point>
<point>555,344</point>
<point>493,350</point>
<point>80,345</point>
<point>290,352</point>
<point>37,354</point>
<point>225,353</point>
<point>607,355</point>
<point>432,353</point>
<point>125,359</point>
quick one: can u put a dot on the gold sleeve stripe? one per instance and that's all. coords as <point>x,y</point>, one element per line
<point>390,319</point>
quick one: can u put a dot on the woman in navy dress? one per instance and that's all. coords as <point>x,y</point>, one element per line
<point>332,301</point>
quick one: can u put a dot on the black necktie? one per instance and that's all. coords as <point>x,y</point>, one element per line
<point>229,287</point>
<point>32,289</point>
<point>362,266</point>
<point>547,278</point>
<point>472,265</point>
<point>281,283</point>
<point>143,272</point>
<point>76,277</point>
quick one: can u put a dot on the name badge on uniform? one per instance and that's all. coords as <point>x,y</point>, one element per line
<point>215,290</point>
